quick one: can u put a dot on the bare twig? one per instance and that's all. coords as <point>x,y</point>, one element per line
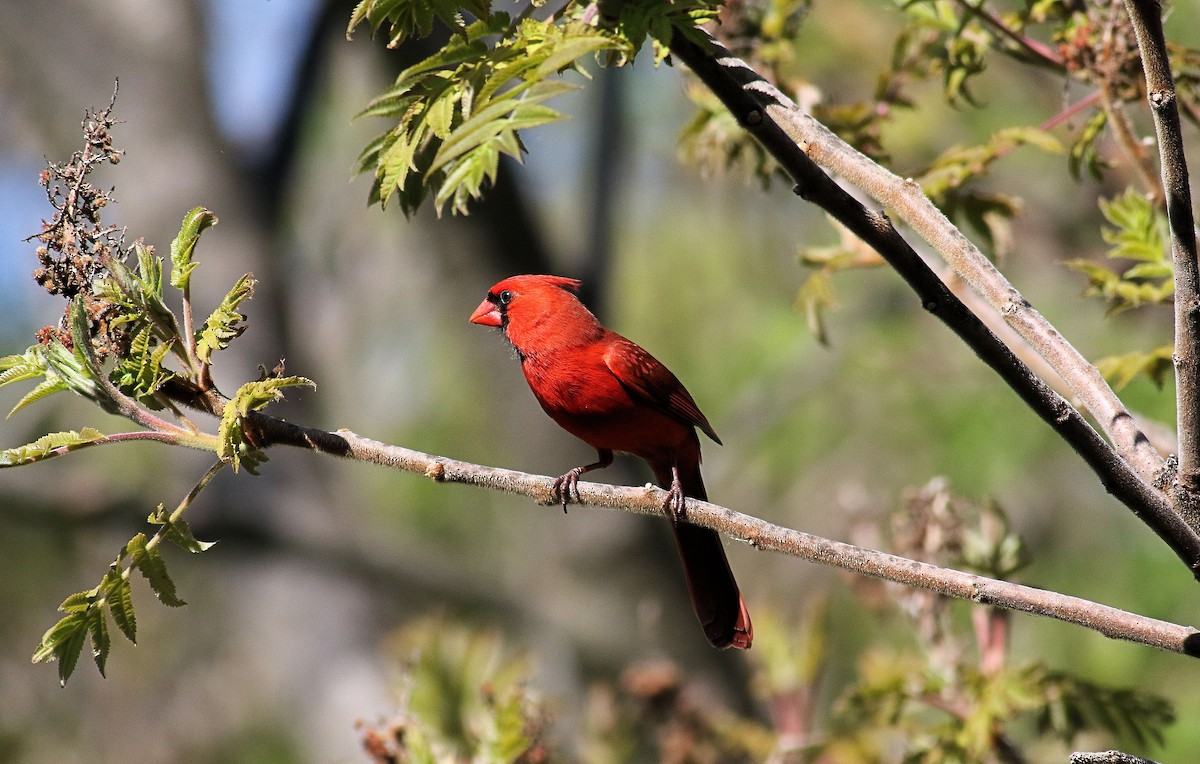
<point>760,534</point>
<point>766,114</point>
<point>1146,16</point>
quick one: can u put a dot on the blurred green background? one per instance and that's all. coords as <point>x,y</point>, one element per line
<point>246,108</point>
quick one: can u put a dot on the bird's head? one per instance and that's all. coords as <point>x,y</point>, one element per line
<point>537,312</point>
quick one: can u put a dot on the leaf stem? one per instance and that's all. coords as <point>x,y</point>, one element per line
<point>186,501</point>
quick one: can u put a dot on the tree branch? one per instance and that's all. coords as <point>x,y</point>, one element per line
<point>760,534</point>
<point>764,112</point>
<point>805,137</point>
<point>1146,16</point>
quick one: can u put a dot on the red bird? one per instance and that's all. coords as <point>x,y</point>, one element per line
<point>614,396</point>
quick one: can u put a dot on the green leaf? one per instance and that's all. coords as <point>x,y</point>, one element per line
<point>141,294</point>
<point>98,629</point>
<point>17,368</point>
<point>118,593</point>
<point>1085,152</point>
<point>1136,231</point>
<point>149,269</point>
<point>45,389</point>
<point>73,369</point>
<point>1139,229</point>
<point>63,642</point>
<point>182,247</point>
<point>178,531</point>
<point>406,18</point>
<point>45,446</point>
<point>1120,370</point>
<point>149,562</point>
<point>252,396</point>
<point>78,602</point>
<point>467,103</point>
<point>816,295</point>
<point>225,323</point>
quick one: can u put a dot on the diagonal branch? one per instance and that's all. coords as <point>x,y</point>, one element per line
<point>807,137</point>
<point>757,106</point>
<point>1146,16</point>
<point>647,500</point>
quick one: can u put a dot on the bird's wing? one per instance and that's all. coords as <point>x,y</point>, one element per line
<point>646,378</point>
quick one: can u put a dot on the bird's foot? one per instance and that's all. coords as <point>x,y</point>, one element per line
<point>673,504</point>
<point>566,488</point>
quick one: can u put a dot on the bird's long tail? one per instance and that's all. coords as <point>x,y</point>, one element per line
<point>714,592</point>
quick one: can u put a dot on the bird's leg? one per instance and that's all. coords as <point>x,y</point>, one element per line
<point>568,484</point>
<point>673,504</point>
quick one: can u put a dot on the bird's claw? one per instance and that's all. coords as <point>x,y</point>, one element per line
<point>673,505</point>
<point>566,488</point>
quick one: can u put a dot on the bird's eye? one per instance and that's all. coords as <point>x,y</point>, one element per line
<point>505,297</point>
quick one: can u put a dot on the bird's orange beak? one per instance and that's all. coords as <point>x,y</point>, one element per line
<point>487,314</point>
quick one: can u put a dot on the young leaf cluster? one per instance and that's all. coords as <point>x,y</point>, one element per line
<point>463,698</point>
<point>944,702</point>
<point>460,109</point>
<point>1136,235</point>
<point>965,716</point>
<point>406,18</point>
<point>123,347</point>
<point>86,613</point>
<point>235,447</point>
<point>1136,232</point>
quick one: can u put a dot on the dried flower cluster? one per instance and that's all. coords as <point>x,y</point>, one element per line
<point>76,246</point>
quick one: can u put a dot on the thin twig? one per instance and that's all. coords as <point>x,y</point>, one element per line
<point>760,108</point>
<point>1146,16</point>
<point>1036,48</point>
<point>1131,147</point>
<point>760,534</point>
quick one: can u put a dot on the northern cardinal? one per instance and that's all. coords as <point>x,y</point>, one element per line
<point>616,397</point>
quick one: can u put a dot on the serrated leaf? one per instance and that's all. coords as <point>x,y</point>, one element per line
<point>98,630</point>
<point>251,396</point>
<point>225,323</point>
<point>141,294</point>
<point>1120,370</point>
<point>447,105</point>
<point>184,245</point>
<point>45,389</point>
<point>499,117</point>
<point>72,369</point>
<point>179,531</point>
<point>440,115</point>
<point>140,373</point>
<point>119,595</point>
<point>406,18</point>
<point>43,447</point>
<point>150,563</point>
<point>63,642</point>
<point>149,269</point>
<point>78,602</point>
<point>69,650</point>
<point>17,368</point>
